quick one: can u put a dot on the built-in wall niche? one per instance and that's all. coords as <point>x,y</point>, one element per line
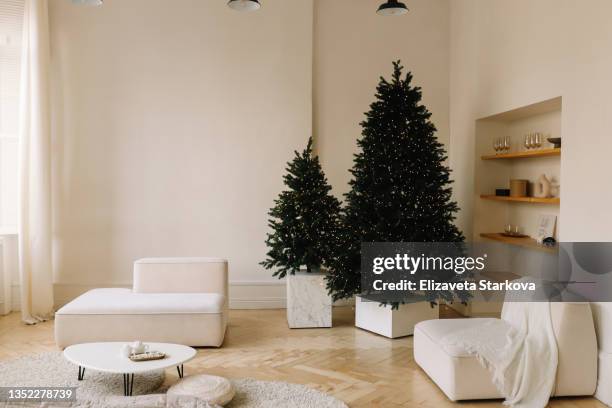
<point>514,257</point>
<point>494,170</point>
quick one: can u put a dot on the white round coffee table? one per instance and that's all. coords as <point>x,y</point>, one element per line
<point>107,357</point>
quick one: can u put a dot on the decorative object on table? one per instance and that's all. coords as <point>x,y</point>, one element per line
<point>305,224</point>
<point>556,141</point>
<point>542,187</point>
<point>147,356</point>
<point>104,357</point>
<point>210,388</point>
<point>502,192</point>
<point>136,347</point>
<point>546,227</point>
<point>518,188</point>
<point>385,202</point>
<point>102,390</point>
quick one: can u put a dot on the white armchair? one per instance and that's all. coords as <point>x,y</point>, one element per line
<point>461,377</point>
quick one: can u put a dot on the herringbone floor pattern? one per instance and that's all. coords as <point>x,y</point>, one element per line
<point>361,368</point>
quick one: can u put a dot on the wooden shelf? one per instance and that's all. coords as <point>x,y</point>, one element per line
<point>526,242</point>
<point>523,155</point>
<point>533,200</point>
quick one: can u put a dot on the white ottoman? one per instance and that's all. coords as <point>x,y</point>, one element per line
<point>209,388</point>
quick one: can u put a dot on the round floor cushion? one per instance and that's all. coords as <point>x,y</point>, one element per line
<point>209,388</point>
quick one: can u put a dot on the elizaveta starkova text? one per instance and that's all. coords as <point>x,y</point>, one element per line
<point>430,285</point>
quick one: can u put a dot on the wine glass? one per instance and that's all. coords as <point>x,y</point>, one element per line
<point>496,144</point>
<point>527,142</point>
<point>538,139</point>
<point>507,143</point>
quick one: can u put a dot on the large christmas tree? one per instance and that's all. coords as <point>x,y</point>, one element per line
<point>304,220</point>
<point>400,187</point>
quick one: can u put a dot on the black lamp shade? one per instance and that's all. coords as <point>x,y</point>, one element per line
<point>244,5</point>
<point>392,8</point>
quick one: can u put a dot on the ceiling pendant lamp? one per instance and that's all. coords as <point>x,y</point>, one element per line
<point>392,8</point>
<point>88,2</point>
<point>244,5</point>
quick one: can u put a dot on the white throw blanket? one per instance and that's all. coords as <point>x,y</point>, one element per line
<point>520,350</point>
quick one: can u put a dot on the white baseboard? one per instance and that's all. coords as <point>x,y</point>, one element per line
<point>257,295</point>
<point>261,303</point>
<point>243,294</point>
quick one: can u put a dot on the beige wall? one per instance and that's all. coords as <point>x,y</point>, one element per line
<point>173,122</point>
<point>353,47</point>
<point>510,53</point>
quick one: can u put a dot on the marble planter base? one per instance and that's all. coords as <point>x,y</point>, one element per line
<point>308,304</point>
<point>392,323</point>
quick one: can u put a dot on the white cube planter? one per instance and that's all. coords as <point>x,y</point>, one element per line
<point>308,304</point>
<point>391,323</point>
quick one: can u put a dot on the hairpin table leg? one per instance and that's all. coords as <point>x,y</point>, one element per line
<point>128,384</point>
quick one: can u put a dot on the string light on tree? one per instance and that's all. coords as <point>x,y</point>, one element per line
<point>400,187</point>
<point>304,219</point>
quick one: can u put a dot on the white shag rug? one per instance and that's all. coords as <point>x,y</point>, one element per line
<point>102,390</point>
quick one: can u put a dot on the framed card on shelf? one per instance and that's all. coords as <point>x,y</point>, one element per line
<point>546,226</point>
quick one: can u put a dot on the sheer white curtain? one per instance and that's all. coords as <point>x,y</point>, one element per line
<point>11,27</point>
<point>35,266</point>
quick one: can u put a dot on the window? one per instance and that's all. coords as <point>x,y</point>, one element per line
<point>11,22</point>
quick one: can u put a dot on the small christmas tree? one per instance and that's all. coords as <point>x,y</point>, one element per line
<point>304,220</point>
<point>400,189</point>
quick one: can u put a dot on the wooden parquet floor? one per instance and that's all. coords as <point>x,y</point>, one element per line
<point>361,368</point>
